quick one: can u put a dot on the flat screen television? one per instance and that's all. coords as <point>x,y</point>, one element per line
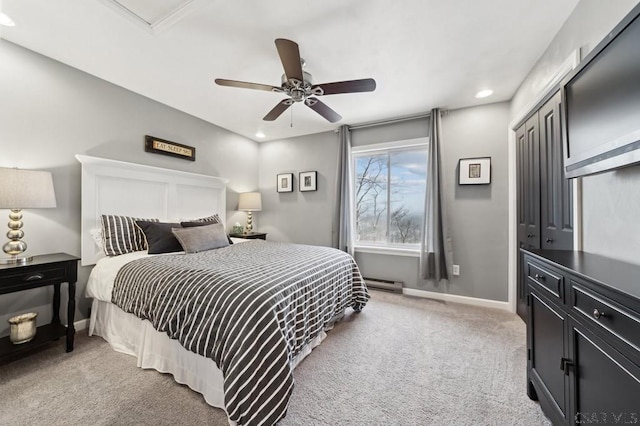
<point>601,104</point>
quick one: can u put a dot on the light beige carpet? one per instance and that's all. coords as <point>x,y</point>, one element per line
<point>402,361</point>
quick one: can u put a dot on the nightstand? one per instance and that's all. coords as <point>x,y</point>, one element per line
<point>44,270</point>
<point>251,236</point>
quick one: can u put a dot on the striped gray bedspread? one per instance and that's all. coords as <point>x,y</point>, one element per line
<point>250,307</point>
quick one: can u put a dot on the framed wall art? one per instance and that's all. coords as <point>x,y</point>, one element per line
<point>285,182</point>
<point>307,181</point>
<point>475,171</point>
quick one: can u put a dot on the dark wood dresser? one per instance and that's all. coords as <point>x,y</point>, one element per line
<point>583,337</point>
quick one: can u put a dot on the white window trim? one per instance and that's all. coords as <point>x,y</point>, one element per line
<point>395,251</point>
<point>407,143</point>
<point>357,151</point>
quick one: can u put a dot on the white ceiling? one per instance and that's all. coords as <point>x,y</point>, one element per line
<point>422,53</point>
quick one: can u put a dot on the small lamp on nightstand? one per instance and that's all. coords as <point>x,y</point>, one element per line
<point>249,202</point>
<point>20,189</point>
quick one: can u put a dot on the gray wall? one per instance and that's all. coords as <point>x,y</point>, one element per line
<point>299,217</point>
<point>49,112</point>
<point>611,201</point>
<point>477,214</point>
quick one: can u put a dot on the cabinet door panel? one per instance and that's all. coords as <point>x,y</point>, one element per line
<point>556,214</point>
<point>547,331</point>
<point>531,190</point>
<point>521,185</point>
<point>606,384</point>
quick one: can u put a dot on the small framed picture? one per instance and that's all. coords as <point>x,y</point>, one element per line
<point>475,171</point>
<point>308,181</point>
<point>285,182</point>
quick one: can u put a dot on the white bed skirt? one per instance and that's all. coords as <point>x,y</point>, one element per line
<point>129,334</point>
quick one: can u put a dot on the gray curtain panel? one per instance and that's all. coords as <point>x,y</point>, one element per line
<point>343,227</point>
<point>436,252</point>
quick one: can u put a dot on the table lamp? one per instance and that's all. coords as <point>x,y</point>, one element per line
<point>22,189</point>
<point>249,202</point>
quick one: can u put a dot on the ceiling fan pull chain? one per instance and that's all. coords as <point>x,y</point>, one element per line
<point>291,124</point>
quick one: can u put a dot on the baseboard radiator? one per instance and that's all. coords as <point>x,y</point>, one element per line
<point>386,285</point>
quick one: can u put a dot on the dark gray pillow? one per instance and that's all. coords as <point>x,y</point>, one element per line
<point>201,238</point>
<point>160,239</point>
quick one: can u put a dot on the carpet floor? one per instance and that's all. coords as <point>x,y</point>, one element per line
<point>401,361</point>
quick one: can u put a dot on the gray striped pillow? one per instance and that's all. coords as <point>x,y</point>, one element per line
<point>214,218</point>
<point>120,235</point>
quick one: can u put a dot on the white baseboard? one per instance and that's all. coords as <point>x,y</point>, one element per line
<point>485,303</point>
<point>81,324</point>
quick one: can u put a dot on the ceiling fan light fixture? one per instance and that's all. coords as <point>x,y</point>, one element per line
<point>298,85</point>
<point>484,93</point>
<point>6,21</point>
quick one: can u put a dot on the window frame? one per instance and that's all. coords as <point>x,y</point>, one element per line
<point>384,148</point>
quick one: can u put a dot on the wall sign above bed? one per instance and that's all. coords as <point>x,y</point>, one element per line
<point>174,149</point>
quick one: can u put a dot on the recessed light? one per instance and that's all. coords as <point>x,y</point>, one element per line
<point>484,93</point>
<point>6,21</point>
<point>260,135</point>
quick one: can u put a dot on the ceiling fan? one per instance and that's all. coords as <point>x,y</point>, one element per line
<point>299,87</point>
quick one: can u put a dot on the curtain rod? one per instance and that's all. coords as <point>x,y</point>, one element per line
<point>392,120</point>
<point>389,121</point>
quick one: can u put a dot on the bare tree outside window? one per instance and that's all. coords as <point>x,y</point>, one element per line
<point>389,196</point>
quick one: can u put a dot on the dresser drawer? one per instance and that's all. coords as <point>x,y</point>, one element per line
<point>550,281</point>
<point>622,323</point>
<point>23,278</point>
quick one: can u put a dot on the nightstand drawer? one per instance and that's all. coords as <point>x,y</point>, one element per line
<point>35,276</point>
<point>622,323</point>
<point>551,282</point>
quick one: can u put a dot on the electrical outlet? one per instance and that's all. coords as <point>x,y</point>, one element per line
<point>456,269</point>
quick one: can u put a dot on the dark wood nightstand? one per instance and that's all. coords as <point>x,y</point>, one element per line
<point>44,270</point>
<point>251,236</point>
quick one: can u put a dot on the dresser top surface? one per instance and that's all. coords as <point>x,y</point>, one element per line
<point>618,275</point>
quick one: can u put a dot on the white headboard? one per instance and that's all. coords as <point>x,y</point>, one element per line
<point>117,187</point>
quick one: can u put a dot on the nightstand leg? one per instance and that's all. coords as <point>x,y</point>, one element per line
<point>56,304</point>
<point>71,314</point>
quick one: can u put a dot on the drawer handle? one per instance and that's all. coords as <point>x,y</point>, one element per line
<point>549,240</point>
<point>531,235</point>
<point>597,314</point>
<point>539,277</point>
<point>34,277</point>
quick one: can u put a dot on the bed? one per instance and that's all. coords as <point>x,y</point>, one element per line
<point>231,322</point>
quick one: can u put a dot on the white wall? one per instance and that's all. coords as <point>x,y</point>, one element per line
<point>611,201</point>
<point>49,112</point>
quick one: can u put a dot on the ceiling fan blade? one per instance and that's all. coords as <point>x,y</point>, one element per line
<point>278,110</point>
<point>351,86</point>
<point>245,85</point>
<point>290,58</point>
<point>322,109</point>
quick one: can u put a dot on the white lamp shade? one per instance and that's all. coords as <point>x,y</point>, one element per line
<point>30,189</point>
<point>250,202</point>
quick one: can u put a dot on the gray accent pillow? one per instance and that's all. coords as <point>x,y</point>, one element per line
<point>201,238</point>
<point>205,221</point>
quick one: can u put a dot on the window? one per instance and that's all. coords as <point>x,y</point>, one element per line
<point>390,182</point>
